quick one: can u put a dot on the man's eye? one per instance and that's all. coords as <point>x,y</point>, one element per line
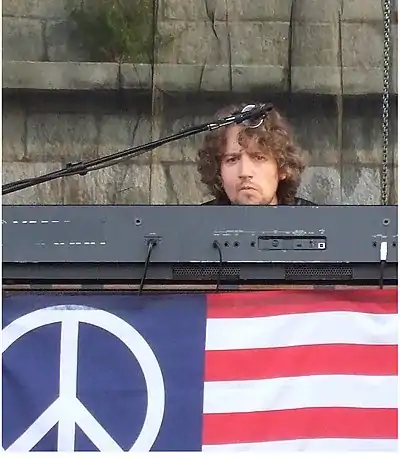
<point>231,159</point>
<point>260,157</point>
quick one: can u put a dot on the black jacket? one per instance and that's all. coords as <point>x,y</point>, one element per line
<point>297,201</point>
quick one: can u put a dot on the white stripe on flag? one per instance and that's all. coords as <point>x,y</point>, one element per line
<point>300,392</point>
<point>310,445</point>
<point>301,329</point>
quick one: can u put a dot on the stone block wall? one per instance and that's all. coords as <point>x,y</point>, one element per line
<point>42,134</point>
<point>320,61</point>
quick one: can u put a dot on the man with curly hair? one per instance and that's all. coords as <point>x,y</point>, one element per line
<point>247,165</point>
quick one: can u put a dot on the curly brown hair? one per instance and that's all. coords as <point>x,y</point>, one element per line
<point>274,136</point>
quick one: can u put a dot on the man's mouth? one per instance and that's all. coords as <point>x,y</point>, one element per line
<point>247,188</point>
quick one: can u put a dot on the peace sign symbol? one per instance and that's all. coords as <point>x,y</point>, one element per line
<point>67,410</point>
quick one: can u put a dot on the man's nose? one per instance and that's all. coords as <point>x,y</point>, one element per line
<point>245,167</point>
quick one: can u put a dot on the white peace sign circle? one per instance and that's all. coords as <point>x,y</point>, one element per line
<point>67,410</point>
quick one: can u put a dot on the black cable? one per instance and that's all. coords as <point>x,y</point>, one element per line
<point>150,245</point>
<point>381,274</point>
<point>217,246</point>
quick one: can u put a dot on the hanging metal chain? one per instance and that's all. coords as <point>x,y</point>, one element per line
<point>385,99</point>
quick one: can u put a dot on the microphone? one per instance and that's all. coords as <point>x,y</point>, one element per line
<point>253,115</point>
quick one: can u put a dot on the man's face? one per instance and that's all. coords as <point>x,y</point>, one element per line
<point>249,177</point>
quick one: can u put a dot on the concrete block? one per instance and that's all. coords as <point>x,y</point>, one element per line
<point>259,43</point>
<point>43,194</point>
<point>394,189</point>
<point>362,137</point>
<point>256,10</point>
<point>246,44</point>
<point>61,137</point>
<point>176,184</point>
<point>22,39</point>
<point>395,57</point>
<point>189,10</point>
<point>316,80</point>
<point>394,84</point>
<point>119,132</point>
<point>359,81</point>
<point>315,45</point>
<point>192,43</point>
<point>177,152</point>
<point>60,75</point>
<point>136,76</point>
<point>316,132</point>
<point>119,184</point>
<point>362,45</point>
<point>316,11</point>
<point>321,185</point>
<point>38,8</point>
<point>13,144</point>
<point>249,78</point>
<point>184,150</point>
<point>393,138</point>
<point>59,44</point>
<point>360,185</point>
<point>220,10</point>
<point>362,10</point>
<point>192,78</point>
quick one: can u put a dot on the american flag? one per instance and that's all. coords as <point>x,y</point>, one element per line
<point>262,371</point>
<point>290,371</point>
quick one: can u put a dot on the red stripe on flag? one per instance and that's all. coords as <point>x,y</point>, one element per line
<point>308,423</point>
<point>262,363</point>
<point>273,303</point>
